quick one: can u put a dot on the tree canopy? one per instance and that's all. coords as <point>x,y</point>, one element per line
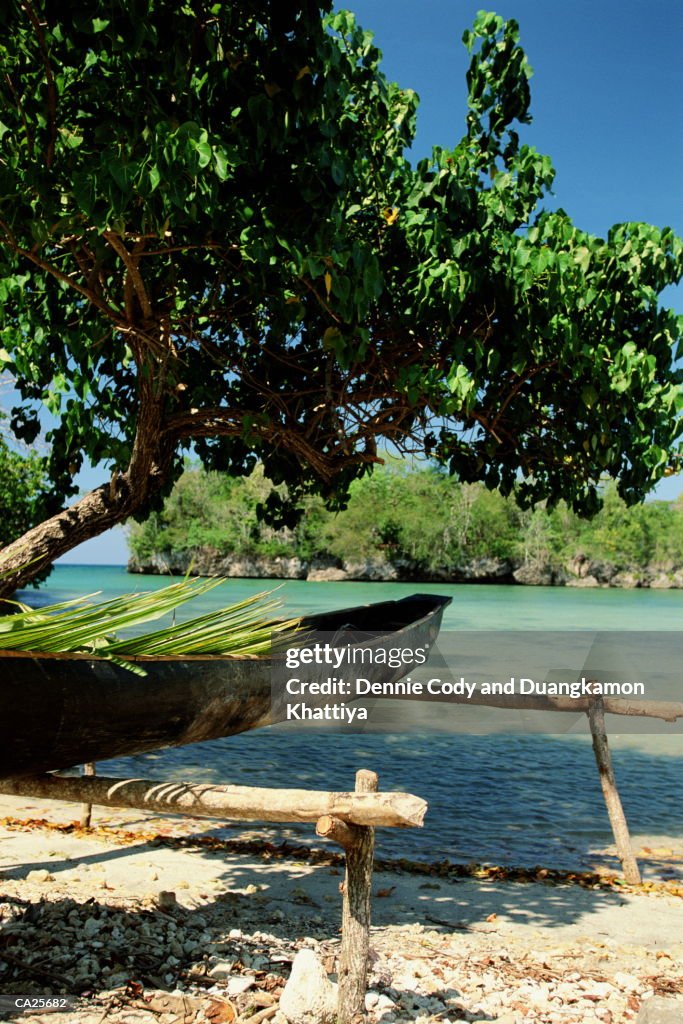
<point>211,237</point>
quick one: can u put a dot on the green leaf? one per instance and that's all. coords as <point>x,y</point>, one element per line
<point>589,395</point>
<point>338,170</point>
<point>332,338</point>
<point>221,163</point>
<point>582,256</point>
<point>205,153</point>
<point>241,629</point>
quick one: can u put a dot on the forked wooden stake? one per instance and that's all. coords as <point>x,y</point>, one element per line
<point>622,838</point>
<point>89,770</point>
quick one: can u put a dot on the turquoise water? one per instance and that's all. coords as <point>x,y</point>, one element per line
<point>522,799</point>
<point>474,606</point>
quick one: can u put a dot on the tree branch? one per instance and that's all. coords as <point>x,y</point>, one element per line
<point>22,113</point>
<point>59,274</point>
<point>133,274</point>
<point>49,78</point>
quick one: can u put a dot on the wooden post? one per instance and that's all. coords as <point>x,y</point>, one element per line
<point>355,942</point>
<point>622,838</point>
<point>89,770</point>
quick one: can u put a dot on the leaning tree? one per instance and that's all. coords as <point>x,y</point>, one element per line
<point>211,238</point>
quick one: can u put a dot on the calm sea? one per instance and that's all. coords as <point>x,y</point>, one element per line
<point>516,799</point>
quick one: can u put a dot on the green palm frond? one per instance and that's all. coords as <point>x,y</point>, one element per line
<point>244,629</point>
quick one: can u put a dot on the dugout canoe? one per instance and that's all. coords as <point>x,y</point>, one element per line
<point>60,710</point>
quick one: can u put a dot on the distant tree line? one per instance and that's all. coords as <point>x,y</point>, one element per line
<point>418,515</point>
<point>22,488</point>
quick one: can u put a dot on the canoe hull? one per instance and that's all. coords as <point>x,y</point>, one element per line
<point>69,709</point>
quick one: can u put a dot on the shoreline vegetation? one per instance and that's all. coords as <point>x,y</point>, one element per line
<point>413,525</point>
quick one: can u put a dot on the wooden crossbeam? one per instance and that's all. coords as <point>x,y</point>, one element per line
<point>246,803</point>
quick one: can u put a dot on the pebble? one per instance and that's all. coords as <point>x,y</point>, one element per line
<point>597,989</point>
<point>628,981</point>
<point>39,876</point>
<point>166,900</point>
<point>91,927</point>
<point>237,985</point>
<point>221,970</point>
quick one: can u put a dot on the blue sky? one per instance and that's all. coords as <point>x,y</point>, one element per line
<point>606,103</point>
<point>606,93</point>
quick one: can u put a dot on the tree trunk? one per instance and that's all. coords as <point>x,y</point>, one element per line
<point>92,515</point>
<point>102,508</point>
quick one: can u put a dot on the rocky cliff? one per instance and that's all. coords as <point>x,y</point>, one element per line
<point>579,571</point>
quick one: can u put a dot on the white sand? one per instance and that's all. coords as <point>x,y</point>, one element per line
<point>563,936</point>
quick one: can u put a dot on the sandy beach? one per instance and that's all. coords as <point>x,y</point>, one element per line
<point>150,918</point>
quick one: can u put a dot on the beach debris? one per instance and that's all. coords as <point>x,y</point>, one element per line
<point>295,851</point>
<point>221,1011</point>
<point>138,962</point>
<point>222,970</point>
<point>237,985</point>
<point>141,959</point>
<point>309,997</point>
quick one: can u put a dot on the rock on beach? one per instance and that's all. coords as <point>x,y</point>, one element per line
<point>309,997</point>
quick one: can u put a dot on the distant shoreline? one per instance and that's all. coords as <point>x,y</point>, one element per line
<point>578,572</point>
